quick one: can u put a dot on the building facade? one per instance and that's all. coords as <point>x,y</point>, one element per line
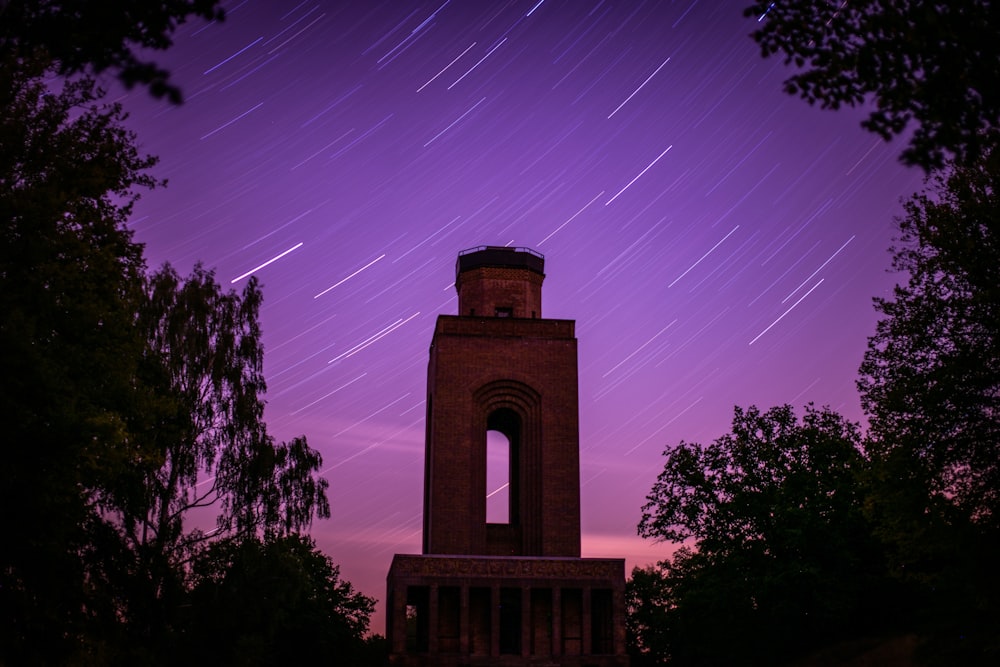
<point>510,592</point>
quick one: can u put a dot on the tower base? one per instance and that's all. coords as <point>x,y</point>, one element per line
<point>465,611</point>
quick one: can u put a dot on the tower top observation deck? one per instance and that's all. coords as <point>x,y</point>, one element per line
<point>497,281</point>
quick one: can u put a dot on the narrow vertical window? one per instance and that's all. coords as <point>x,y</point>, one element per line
<point>510,621</point>
<point>602,621</point>
<point>417,614</point>
<point>497,477</point>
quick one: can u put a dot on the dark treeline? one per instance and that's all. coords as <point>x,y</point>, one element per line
<point>134,397</point>
<point>805,541</point>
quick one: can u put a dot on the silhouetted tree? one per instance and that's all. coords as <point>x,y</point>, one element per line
<point>276,601</point>
<point>780,559</point>
<point>931,67</point>
<point>930,382</point>
<point>84,36</point>
<point>69,276</point>
<point>131,401</point>
<point>374,652</point>
<point>196,439</point>
<point>648,601</point>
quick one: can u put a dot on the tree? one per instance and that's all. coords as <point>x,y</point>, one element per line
<point>69,273</point>
<point>648,601</point>
<point>196,439</point>
<point>708,610</point>
<point>276,601</point>
<point>932,66</point>
<point>930,379</point>
<point>82,36</point>
<point>930,383</point>
<point>131,400</point>
<point>780,558</point>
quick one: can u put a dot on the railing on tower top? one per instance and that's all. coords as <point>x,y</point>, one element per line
<point>500,256</point>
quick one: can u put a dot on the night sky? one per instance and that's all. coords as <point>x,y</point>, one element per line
<point>717,241</point>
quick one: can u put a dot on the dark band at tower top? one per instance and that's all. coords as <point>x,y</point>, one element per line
<point>500,257</point>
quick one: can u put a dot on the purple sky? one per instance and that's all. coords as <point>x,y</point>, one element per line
<point>717,241</point>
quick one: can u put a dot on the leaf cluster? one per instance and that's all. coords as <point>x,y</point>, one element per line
<point>770,472</point>
<point>648,602</point>
<point>778,558</point>
<point>196,433</point>
<point>275,601</point>
<point>927,66</point>
<point>81,36</point>
<point>931,375</point>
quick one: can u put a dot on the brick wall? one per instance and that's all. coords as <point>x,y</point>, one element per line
<point>481,291</point>
<point>478,366</point>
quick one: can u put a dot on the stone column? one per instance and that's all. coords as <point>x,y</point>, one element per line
<point>397,618</point>
<point>618,609</point>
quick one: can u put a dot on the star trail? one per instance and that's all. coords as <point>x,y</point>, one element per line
<point>717,242</point>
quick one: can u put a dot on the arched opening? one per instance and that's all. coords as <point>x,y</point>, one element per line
<point>497,477</point>
<point>503,438</point>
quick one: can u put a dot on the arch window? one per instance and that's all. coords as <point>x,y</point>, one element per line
<point>503,437</point>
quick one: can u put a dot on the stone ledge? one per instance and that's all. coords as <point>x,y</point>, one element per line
<point>521,567</point>
<point>504,327</point>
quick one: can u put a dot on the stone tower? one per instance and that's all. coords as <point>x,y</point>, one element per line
<point>514,592</point>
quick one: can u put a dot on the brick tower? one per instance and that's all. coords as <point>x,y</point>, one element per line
<point>514,592</point>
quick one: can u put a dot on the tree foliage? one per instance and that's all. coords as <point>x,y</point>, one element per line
<point>780,558</point>
<point>930,382</point>
<point>196,440</point>
<point>648,602</point>
<point>198,426</point>
<point>276,601</point>
<point>69,273</point>
<point>82,36</point>
<point>931,67</point>
<point>134,400</point>
<point>745,487</point>
<point>931,375</point>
